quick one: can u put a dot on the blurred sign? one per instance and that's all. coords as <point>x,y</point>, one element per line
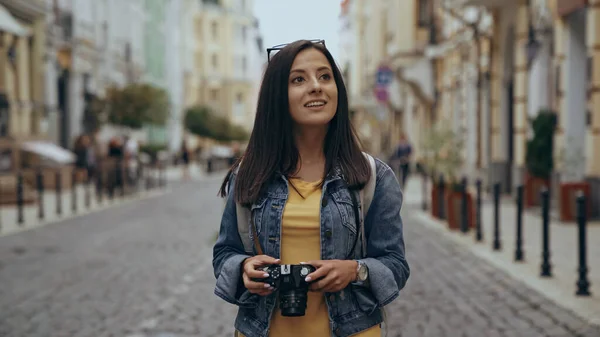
<point>381,93</point>
<point>385,75</point>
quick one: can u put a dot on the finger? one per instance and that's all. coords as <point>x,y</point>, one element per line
<point>322,284</point>
<point>315,263</point>
<point>266,259</point>
<point>334,286</point>
<point>318,274</point>
<point>253,273</point>
<point>254,286</point>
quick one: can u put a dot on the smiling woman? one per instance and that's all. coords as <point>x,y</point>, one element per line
<point>299,181</point>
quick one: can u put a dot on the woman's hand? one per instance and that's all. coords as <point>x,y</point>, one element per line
<point>332,275</point>
<point>250,265</point>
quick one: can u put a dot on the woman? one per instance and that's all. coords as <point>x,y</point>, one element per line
<point>298,176</point>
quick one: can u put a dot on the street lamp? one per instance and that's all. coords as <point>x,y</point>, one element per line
<point>532,46</point>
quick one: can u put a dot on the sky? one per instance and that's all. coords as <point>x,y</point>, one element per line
<point>284,21</point>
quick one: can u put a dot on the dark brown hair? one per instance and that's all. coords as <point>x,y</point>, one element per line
<point>271,147</point>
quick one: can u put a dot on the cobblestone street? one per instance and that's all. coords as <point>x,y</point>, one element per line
<point>144,269</point>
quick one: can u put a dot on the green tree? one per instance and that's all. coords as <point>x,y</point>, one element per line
<point>202,121</point>
<point>137,104</point>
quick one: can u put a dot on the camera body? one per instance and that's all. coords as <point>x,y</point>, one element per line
<point>293,289</point>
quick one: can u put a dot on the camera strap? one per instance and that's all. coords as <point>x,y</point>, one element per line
<point>257,246</point>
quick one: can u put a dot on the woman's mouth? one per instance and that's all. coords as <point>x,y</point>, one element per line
<point>315,105</point>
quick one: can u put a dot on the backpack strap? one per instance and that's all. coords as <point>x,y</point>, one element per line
<point>243,222</point>
<point>366,197</point>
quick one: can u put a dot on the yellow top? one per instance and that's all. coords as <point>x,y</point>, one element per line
<point>301,242</point>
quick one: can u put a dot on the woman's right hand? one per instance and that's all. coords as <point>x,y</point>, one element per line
<point>250,265</point>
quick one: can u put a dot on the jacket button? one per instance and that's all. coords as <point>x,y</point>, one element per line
<point>332,298</point>
<point>328,233</point>
<point>338,332</point>
<point>324,202</point>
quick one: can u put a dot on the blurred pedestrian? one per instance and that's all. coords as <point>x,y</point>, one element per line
<point>402,156</point>
<point>185,158</point>
<point>300,176</point>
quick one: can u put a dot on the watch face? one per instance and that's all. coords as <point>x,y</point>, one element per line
<point>363,272</point>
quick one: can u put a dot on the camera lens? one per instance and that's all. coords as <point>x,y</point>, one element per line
<point>293,303</point>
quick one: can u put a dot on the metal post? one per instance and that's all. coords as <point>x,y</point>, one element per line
<point>86,186</point>
<point>479,232</point>
<point>546,268</point>
<point>583,284</point>
<point>497,243</point>
<point>424,194</point>
<point>464,219</point>
<point>20,216</point>
<point>74,190</point>
<point>58,194</point>
<point>519,253</point>
<point>40,189</point>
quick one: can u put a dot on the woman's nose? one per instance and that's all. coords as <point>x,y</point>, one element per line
<point>315,85</point>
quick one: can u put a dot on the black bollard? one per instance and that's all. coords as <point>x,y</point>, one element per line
<point>99,184</point>
<point>441,198</point>
<point>546,269</point>
<point>40,189</point>
<point>424,196</point>
<point>74,190</point>
<point>87,185</point>
<point>479,232</point>
<point>497,245</point>
<point>58,194</point>
<point>20,216</point>
<point>519,253</point>
<point>583,285</point>
<point>464,224</point>
<point>122,173</point>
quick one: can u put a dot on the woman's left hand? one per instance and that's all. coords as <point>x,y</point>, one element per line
<point>332,275</point>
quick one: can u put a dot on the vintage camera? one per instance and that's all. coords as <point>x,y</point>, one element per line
<point>289,279</point>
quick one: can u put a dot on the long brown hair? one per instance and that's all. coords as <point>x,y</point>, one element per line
<point>271,147</point>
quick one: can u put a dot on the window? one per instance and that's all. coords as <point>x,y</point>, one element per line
<point>215,30</point>
<point>215,61</point>
<point>214,94</point>
<point>424,13</point>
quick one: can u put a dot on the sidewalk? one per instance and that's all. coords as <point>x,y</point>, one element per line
<point>561,287</point>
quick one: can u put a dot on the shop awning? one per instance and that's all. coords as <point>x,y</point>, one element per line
<point>10,25</point>
<point>49,151</point>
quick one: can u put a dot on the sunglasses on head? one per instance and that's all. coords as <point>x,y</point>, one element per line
<point>273,50</point>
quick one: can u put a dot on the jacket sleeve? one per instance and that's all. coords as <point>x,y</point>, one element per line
<point>228,255</point>
<point>388,268</point>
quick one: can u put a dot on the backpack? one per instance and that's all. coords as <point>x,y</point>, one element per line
<point>366,196</point>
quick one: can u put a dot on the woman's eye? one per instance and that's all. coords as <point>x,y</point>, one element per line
<point>326,77</point>
<point>297,80</point>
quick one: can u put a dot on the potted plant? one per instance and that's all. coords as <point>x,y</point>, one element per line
<point>443,155</point>
<point>539,159</point>
<point>571,161</point>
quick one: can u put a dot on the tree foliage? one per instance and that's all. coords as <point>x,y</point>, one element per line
<point>137,104</point>
<point>202,121</point>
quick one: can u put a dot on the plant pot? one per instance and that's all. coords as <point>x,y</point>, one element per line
<point>455,212</point>
<point>568,200</point>
<point>533,188</point>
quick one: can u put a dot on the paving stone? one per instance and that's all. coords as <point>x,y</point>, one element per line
<point>143,270</point>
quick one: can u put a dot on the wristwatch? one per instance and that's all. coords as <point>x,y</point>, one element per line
<point>362,273</point>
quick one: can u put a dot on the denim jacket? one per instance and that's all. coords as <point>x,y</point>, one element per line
<point>351,310</point>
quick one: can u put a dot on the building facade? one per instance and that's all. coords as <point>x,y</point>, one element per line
<point>494,65</point>
<point>228,50</point>
<point>22,52</point>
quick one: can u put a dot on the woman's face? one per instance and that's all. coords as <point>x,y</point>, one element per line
<point>312,90</point>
